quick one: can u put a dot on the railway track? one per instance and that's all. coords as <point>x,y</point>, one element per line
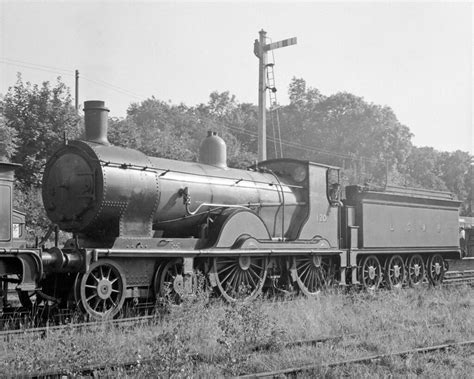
<point>364,359</point>
<point>459,277</point>
<point>8,335</point>
<point>131,366</point>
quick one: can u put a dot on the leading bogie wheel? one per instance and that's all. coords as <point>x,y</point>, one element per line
<point>435,268</point>
<point>240,278</point>
<point>395,272</point>
<point>172,286</point>
<point>100,292</point>
<point>371,272</point>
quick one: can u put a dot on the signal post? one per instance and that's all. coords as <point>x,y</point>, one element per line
<point>260,49</point>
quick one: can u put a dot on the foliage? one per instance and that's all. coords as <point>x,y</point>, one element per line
<point>343,129</point>
<point>33,122</point>
<point>40,115</point>
<point>176,131</point>
<point>428,168</point>
<point>368,142</point>
<point>29,200</point>
<point>8,140</point>
<point>246,327</point>
<point>193,342</point>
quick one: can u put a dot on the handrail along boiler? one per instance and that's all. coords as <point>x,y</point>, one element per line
<point>143,227</point>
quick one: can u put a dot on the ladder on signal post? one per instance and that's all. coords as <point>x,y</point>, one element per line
<point>275,119</point>
<point>271,85</point>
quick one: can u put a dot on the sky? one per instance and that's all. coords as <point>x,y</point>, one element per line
<point>415,57</point>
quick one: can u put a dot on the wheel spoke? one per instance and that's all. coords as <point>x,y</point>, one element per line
<point>227,268</point>
<point>370,267</point>
<point>311,278</point>
<point>252,280</point>
<point>229,274</point>
<point>114,304</point>
<point>96,303</point>
<point>235,284</point>
<point>306,268</point>
<point>243,279</point>
<point>108,273</point>
<point>101,291</point>
<point>94,277</point>
<point>256,265</point>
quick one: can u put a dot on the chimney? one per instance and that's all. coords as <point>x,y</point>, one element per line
<point>95,121</point>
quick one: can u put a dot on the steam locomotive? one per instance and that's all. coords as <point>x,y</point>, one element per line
<point>145,227</point>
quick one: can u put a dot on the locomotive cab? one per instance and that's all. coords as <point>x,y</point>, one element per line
<point>318,192</point>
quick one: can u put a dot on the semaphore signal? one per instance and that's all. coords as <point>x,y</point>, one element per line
<point>260,49</point>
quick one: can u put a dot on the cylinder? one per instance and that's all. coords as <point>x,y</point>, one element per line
<point>95,121</point>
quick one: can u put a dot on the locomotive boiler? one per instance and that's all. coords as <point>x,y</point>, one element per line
<point>103,192</point>
<point>146,228</point>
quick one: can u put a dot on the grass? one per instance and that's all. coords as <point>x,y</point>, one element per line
<point>213,339</point>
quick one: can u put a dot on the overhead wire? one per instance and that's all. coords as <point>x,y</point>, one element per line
<point>34,66</point>
<point>306,147</point>
<point>62,71</point>
<point>113,87</point>
<point>66,72</point>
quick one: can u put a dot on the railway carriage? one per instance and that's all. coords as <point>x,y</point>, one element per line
<point>145,227</point>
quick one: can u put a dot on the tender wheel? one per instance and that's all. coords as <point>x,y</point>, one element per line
<point>416,270</point>
<point>172,282</point>
<point>312,273</point>
<point>395,272</point>
<point>240,278</point>
<point>435,268</point>
<point>101,291</point>
<point>371,272</point>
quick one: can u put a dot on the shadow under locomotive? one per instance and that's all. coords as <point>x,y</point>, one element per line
<point>143,227</point>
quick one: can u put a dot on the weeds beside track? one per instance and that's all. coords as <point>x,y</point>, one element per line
<point>213,339</point>
<point>365,359</point>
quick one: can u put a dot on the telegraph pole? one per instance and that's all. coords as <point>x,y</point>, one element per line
<point>77,91</point>
<point>260,49</point>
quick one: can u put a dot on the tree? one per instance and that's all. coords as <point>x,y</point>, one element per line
<point>171,131</point>
<point>157,129</point>
<point>344,130</point>
<point>8,140</point>
<point>236,124</point>
<point>423,169</point>
<point>457,176</point>
<point>32,125</point>
<point>40,115</point>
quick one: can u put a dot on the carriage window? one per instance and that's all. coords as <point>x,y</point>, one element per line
<point>5,213</point>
